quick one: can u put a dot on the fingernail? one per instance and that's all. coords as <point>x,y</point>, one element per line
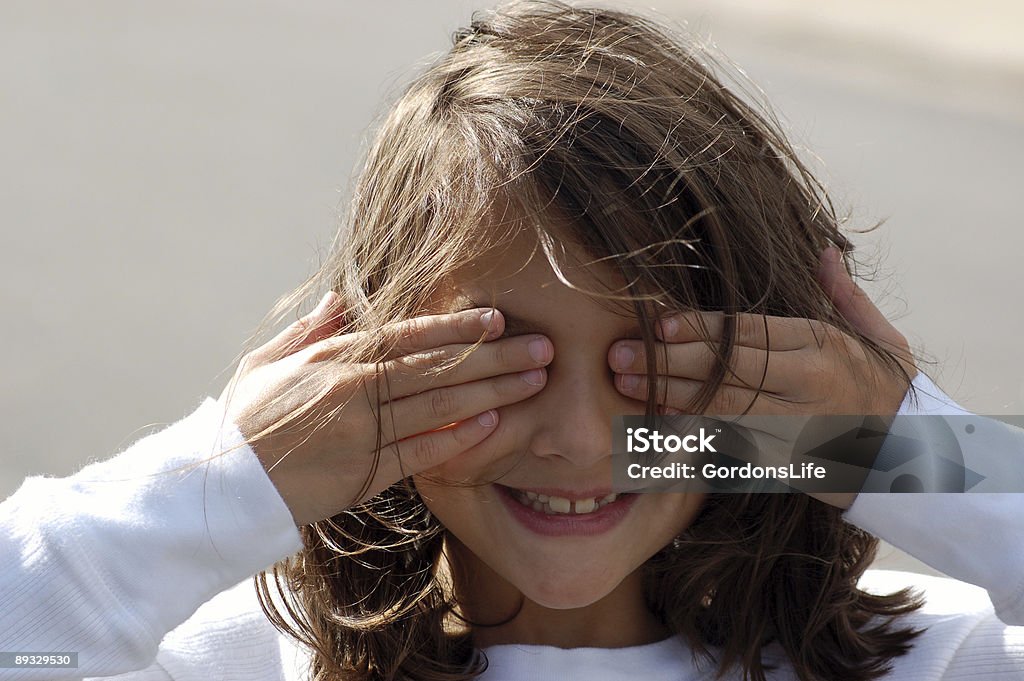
<point>832,255</point>
<point>623,357</point>
<point>669,327</point>
<point>539,350</point>
<point>488,319</point>
<point>534,377</point>
<point>488,418</point>
<point>629,382</point>
<point>322,306</point>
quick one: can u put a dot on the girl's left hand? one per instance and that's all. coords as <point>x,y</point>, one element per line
<point>808,367</point>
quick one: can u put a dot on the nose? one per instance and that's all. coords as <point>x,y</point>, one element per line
<point>573,420</point>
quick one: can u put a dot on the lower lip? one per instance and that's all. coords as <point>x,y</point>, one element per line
<point>561,524</point>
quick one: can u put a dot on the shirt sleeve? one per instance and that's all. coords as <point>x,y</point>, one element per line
<point>105,562</point>
<point>962,638</point>
<point>977,536</point>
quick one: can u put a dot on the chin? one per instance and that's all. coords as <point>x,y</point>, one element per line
<point>563,599</point>
<point>560,589</point>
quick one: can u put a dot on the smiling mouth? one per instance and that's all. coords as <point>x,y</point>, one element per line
<point>553,505</point>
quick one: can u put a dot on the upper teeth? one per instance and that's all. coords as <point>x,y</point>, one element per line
<point>552,504</point>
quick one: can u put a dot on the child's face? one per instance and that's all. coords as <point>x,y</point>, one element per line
<point>558,440</point>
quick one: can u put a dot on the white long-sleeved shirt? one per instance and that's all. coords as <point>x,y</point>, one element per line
<point>113,562</point>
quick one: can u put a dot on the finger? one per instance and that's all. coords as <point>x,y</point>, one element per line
<point>426,411</point>
<point>427,450</point>
<point>423,333</point>
<point>679,394</point>
<point>409,374</point>
<point>320,323</point>
<point>752,330</point>
<point>749,367</point>
<point>848,298</point>
<point>855,305</point>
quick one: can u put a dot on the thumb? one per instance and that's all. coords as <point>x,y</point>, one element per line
<point>322,322</point>
<point>855,306</point>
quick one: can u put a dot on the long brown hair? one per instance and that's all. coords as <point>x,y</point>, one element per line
<point>626,129</point>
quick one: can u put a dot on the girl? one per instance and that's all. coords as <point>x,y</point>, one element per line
<point>567,218</point>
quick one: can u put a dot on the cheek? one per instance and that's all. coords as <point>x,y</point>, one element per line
<point>683,509</point>
<point>501,452</point>
<point>447,494</point>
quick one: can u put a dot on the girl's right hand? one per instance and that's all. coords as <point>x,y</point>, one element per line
<point>320,462</point>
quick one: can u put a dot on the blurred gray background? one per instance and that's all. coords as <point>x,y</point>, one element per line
<point>168,170</point>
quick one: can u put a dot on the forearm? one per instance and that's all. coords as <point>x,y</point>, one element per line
<point>107,561</point>
<point>975,536</point>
